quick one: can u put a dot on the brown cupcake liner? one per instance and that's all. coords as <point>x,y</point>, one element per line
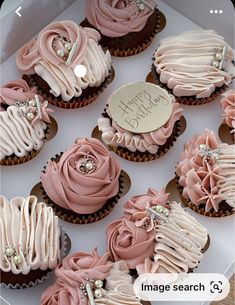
<point>34,277</point>
<point>153,77</point>
<point>73,217</point>
<point>160,24</point>
<point>137,156</point>
<point>225,134</point>
<point>50,133</point>
<point>75,103</point>
<point>174,187</point>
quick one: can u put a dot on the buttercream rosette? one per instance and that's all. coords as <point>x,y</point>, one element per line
<point>80,281</point>
<point>205,172</point>
<point>228,106</point>
<point>30,241</point>
<point>195,66</point>
<point>156,236</point>
<point>24,122</point>
<point>126,27</point>
<point>54,54</point>
<point>83,179</point>
<point>142,146</point>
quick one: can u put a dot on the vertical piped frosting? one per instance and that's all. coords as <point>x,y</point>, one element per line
<point>29,235</point>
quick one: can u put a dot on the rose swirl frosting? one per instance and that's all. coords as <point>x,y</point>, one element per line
<point>156,235</point>
<point>58,48</point>
<point>84,178</point>
<point>116,18</point>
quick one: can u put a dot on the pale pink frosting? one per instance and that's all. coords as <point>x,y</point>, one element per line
<point>228,106</point>
<point>116,18</point>
<point>16,90</point>
<point>112,134</point>
<point>41,48</point>
<point>76,269</point>
<point>198,177</point>
<point>136,206</point>
<point>68,187</point>
<point>128,242</point>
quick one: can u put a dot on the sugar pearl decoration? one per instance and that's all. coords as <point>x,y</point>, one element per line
<point>67,46</point>
<point>30,116</point>
<point>159,208</point>
<point>202,146</point>
<point>218,56</point>
<point>98,293</point>
<point>89,165</point>
<point>9,252</point>
<point>17,260</point>
<point>141,7</point>
<point>215,64</point>
<point>166,212</point>
<point>99,283</point>
<point>60,53</point>
<point>32,103</point>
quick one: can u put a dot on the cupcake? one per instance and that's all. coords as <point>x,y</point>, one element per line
<point>30,242</point>
<point>156,236</point>
<point>67,64</point>
<point>126,27</point>
<point>205,173</point>
<point>25,122</point>
<point>195,66</point>
<point>84,183</point>
<point>84,278</point>
<point>141,121</point>
<point>228,106</point>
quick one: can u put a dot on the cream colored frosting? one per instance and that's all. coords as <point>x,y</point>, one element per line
<point>206,180</point>
<point>17,135</point>
<point>40,56</point>
<point>228,106</point>
<point>113,135</point>
<point>119,288</point>
<point>31,228</point>
<point>184,63</point>
<point>179,243</point>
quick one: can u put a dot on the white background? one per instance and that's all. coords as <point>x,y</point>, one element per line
<point>18,180</point>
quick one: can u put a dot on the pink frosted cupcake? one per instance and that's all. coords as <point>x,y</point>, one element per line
<point>84,278</point>
<point>126,27</point>
<point>24,122</point>
<point>84,183</point>
<point>50,60</point>
<point>228,106</point>
<point>156,235</point>
<point>141,146</point>
<point>205,172</point>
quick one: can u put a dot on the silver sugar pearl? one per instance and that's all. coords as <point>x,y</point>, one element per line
<point>98,293</point>
<point>202,146</point>
<point>215,64</point>
<point>60,53</point>
<point>141,7</point>
<point>30,116</point>
<point>17,260</point>
<point>32,103</point>
<point>67,46</point>
<point>218,56</point>
<point>159,208</point>
<point>89,165</point>
<point>166,212</point>
<point>9,252</point>
<point>99,283</point>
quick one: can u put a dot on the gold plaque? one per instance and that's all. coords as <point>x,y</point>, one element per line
<point>140,107</point>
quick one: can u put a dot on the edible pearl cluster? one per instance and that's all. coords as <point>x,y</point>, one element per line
<point>28,109</point>
<point>219,56</point>
<point>156,213</point>
<point>12,253</point>
<point>87,166</point>
<point>66,47</point>
<point>96,293</point>
<point>142,4</point>
<point>160,209</point>
<point>210,154</point>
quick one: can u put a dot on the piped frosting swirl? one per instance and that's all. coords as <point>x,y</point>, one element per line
<point>206,171</point>
<point>116,18</point>
<point>49,56</point>
<point>189,63</point>
<point>84,178</point>
<point>29,235</point>
<point>228,106</point>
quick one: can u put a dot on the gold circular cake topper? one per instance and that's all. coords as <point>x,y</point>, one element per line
<point>140,107</point>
